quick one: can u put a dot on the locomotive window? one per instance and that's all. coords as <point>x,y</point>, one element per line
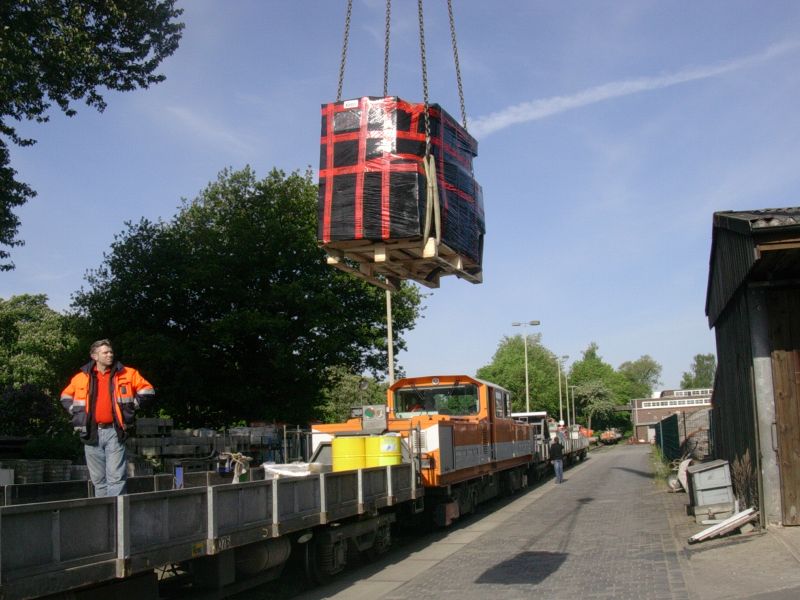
<point>499,406</point>
<point>457,400</point>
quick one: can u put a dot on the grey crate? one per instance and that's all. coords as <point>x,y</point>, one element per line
<point>713,474</point>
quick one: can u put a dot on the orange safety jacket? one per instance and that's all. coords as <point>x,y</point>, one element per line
<point>129,391</point>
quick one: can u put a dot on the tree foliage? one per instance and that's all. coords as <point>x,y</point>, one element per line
<point>29,411</point>
<point>230,310</point>
<point>701,372</point>
<point>508,370</point>
<point>596,401</point>
<point>643,374</point>
<point>592,368</point>
<point>33,342</point>
<point>346,390</point>
<point>58,52</point>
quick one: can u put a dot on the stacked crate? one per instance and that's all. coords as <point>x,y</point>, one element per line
<point>373,192</point>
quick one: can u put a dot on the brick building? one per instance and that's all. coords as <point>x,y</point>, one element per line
<point>646,413</point>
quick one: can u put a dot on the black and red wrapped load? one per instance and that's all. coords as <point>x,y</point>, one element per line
<point>372,183</point>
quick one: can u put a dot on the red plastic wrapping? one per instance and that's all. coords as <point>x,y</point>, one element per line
<point>372,183</point>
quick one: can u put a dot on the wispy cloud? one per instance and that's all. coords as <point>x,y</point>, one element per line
<point>211,131</point>
<point>539,109</point>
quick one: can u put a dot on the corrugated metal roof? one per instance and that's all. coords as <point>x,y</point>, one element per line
<point>759,219</point>
<point>733,249</point>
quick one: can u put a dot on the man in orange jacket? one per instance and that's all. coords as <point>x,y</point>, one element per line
<point>102,399</point>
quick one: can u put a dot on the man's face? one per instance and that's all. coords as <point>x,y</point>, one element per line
<point>103,356</point>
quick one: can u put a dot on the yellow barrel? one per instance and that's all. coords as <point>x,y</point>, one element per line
<point>383,450</point>
<point>348,453</point>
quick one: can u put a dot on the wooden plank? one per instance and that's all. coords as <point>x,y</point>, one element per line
<point>786,382</point>
<point>424,263</point>
<point>725,526</point>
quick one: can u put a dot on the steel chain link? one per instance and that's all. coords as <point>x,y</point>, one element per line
<point>344,49</point>
<point>424,77</point>
<point>455,58</point>
<point>386,48</point>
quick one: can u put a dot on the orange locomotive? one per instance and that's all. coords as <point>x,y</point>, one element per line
<point>460,429</point>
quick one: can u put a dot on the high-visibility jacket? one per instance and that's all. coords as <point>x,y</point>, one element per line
<point>129,391</point>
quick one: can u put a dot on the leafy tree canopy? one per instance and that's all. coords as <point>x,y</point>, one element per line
<point>346,390</point>
<point>33,341</point>
<point>596,401</point>
<point>701,373</point>
<point>592,368</point>
<point>643,375</point>
<point>230,310</point>
<point>508,370</point>
<point>58,51</point>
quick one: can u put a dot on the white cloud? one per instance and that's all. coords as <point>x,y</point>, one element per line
<point>212,132</point>
<point>539,109</point>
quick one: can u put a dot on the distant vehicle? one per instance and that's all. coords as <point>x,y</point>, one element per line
<point>610,436</point>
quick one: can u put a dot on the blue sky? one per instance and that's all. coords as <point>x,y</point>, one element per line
<point>609,134</point>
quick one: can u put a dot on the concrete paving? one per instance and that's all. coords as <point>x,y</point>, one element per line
<point>608,532</point>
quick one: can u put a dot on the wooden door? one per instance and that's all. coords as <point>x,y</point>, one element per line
<point>786,382</point>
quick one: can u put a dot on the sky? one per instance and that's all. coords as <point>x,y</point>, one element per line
<point>609,133</point>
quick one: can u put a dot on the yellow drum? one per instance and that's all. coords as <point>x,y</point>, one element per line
<point>383,450</point>
<point>348,453</point>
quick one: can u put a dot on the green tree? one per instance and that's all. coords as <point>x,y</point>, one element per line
<point>346,390</point>
<point>616,389</point>
<point>55,51</point>
<point>33,342</point>
<point>507,369</point>
<point>230,310</point>
<point>592,368</point>
<point>701,373</point>
<point>643,374</point>
<point>597,403</point>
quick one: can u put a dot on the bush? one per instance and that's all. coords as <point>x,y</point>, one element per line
<point>29,411</point>
<point>63,446</point>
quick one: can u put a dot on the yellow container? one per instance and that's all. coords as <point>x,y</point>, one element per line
<point>348,453</point>
<point>383,450</point>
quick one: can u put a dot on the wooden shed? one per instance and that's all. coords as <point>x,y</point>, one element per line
<point>753,304</point>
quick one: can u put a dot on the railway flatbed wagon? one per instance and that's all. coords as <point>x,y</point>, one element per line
<point>210,535</point>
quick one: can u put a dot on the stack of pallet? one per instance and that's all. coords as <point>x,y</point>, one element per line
<point>377,216</point>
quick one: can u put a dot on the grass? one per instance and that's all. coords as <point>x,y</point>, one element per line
<point>661,468</point>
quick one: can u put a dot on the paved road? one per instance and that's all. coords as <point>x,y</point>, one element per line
<point>601,534</point>
<point>609,532</point>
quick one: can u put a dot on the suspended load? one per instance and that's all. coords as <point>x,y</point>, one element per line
<point>392,207</point>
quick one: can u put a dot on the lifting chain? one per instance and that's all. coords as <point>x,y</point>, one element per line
<point>386,48</point>
<point>344,49</point>
<point>455,59</point>
<point>424,77</point>
<point>423,59</point>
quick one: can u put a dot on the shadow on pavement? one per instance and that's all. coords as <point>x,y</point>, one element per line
<point>647,474</point>
<point>525,567</point>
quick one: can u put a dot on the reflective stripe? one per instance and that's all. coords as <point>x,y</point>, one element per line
<point>146,392</point>
<point>126,400</point>
<point>79,403</point>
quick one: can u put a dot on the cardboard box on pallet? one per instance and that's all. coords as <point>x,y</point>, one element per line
<point>372,177</point>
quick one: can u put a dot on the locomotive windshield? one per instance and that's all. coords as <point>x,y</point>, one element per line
<point>457,400</point>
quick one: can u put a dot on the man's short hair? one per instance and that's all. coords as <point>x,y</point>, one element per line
<point>99,343</point>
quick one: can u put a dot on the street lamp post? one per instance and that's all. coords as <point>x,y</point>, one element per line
<point>566,390</point>
<point>524,325</point>
<point>560,404</point>
<point>574,418</point>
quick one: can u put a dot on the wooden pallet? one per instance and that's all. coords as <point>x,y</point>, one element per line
<point>385,264</point>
